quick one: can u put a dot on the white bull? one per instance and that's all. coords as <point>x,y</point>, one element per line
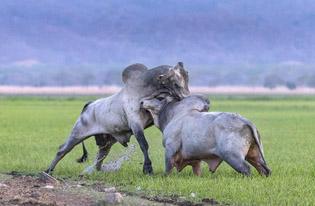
<point>117,117</point>
<point>191,134</point>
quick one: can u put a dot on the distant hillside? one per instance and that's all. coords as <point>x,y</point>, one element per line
<point>223,42</point>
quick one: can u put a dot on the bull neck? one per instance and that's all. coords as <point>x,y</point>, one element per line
<point>165,115</point>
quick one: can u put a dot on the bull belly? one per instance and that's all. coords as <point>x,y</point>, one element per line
<point>197,151</point>
<point>196,155</point>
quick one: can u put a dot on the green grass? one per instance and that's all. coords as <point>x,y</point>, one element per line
<point>32,128</point>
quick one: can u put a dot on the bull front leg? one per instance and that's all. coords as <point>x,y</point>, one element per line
<point>170,160</point>
<point>139,134</point>
<point>173,156</point>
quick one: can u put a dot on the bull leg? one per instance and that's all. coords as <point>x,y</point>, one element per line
<point>170,159</point>
<point>84,156</point>
<point>138,132</point>
<point>104,148</point>
<point>78,134</point>
<point>196,167</point>
<point>63,150</point>
<point>255,158</point>
<point>178,161</point>
<point>104,142</point>
<point>168,166</point>
<point>173,156</point>
<point>238,163</point>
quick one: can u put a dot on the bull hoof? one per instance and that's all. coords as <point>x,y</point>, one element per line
<point>48,171</point>
<point>147,169</point>
<point>82,159</point>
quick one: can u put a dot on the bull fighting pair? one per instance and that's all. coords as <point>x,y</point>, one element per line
<point>191,134</point>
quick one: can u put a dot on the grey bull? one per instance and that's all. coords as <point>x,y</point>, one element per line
<point>115,118</point>
<point>191,134</point>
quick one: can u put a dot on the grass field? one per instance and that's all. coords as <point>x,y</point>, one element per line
<point>32,128</point>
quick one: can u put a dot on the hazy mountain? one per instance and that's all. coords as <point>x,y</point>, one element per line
<point>221,41</point>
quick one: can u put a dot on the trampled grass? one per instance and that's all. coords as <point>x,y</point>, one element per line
<point>31,129</point>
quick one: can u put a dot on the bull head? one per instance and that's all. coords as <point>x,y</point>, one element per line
<point>176,81</point>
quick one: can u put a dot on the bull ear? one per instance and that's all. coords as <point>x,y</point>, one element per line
<point>133,72</point>
<point>162,77</point>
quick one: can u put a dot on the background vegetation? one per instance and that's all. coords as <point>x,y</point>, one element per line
<point>242,42</point>
<point>290,75</point>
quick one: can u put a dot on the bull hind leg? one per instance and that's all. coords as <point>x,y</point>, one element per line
<point>180,164</point>
<point>78,134</point>
<point>104,142</point>
<point>196,167</point>
<point>237,162</point>
<point>254,157</point>
<point>63,150</point>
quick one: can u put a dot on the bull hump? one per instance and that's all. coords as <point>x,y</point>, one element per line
<point>133,71</point>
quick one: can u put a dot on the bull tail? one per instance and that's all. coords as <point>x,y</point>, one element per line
<point>85,154</point>
<point>257,139</point>
<point>258,162</point>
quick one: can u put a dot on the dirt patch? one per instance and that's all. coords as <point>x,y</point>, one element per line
<point>177,200</point>
<point>27,190</point>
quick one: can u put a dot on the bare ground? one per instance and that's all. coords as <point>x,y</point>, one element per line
<point>19,189</point>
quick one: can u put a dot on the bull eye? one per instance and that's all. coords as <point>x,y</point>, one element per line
<point>176,85</point>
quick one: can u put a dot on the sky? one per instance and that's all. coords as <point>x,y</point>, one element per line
<point>116,33</point>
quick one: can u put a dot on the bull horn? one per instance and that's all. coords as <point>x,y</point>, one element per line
<point>179,65</point>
